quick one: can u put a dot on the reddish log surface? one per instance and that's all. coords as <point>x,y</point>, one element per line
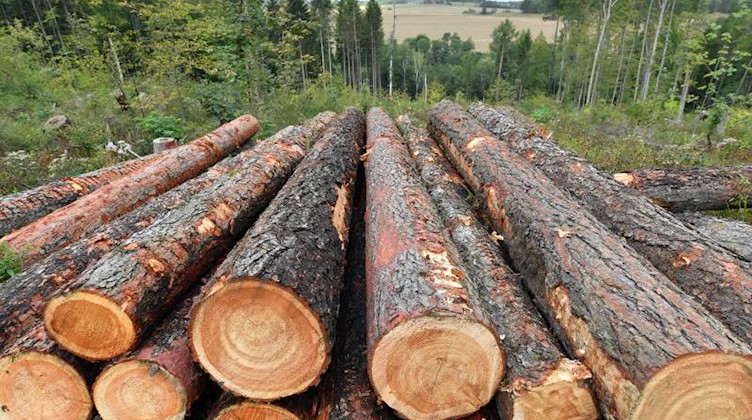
<point>718,279</point>
<point>733,235</point>
<point>426,323</point>
<point>71,222</point>
<point>542,382</point>
<point>107,308</point>
<point>297,407</point>
<point>691,189</point>
<point>266,326</point>
<point>22,208</point>
<point>637,332</point>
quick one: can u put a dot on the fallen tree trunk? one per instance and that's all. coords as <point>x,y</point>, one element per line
<point>127,290</point>
<point>426,323</point>
<point>733,235</point>
<point>718,279</point>
<point>637,332</point>
<point>692,189</point>
<point>69,223</point>
<point>542,382</point>
<point>22,208</point>
<point>285,276</point>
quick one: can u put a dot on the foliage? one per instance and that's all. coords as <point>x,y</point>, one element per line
<point>10,262</point>
<point>159,125</point>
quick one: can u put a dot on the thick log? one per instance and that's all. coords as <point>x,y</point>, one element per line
<point>692,189</point>
<point>106,309</point>
<point>71,222</point>
<point>718,279</point>
<point>542,382</point>
<point>733,235</point>
<point>22,208</point>
<point>265,328</point>
<point>432,351</point>
<point>297,407</point>
<point>651,348</point>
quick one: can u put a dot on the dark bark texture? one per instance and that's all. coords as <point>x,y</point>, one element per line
<point>718,279</point>
<point>733,235</point>
<point>71,222</point>
<point>616,313</point>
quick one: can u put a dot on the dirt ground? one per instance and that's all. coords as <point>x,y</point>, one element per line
<point>435,20</point>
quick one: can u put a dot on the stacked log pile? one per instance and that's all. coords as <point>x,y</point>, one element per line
<point>319,275</point>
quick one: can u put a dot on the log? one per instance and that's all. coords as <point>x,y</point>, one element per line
<point>542,382</point>
<point>692,189</point>
<point>159,380</point>
<point>716,278</point>
<point>433,353</point>
<point>654,352</point>
<point>20,209</point>
<point>297,407</point>
<point>163,143</point>
<point>733,235</point>
<point>102,314</point>
<point>71,222</point>
<point>265,328</point>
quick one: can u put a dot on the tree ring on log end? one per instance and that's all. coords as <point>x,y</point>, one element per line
<point>557,400</point>
<point>34,385</point>
<point>710,385</point>
<point>89,325</point>
<point>259,340</point>
<point>254,411</point>
<point>435,367</point>
<point>139,389</point>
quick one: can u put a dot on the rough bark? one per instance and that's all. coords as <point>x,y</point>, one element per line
<point>71,222</point>
<point>631,326</point>
<point>692,189</point>
<point>22,208</point>
<point>285,274</point>
<point>541,381</point>
<point>426,323</point>
<point>716,278</point>
<point>102,314</point>
<point>733,235</point>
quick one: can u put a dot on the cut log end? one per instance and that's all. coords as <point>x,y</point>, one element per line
<point>436,367</point>
<point>34,385</point>
<point>89,325</point>
<point>138,389</point>
<point>254,411</point>
<point>624,178</point>
<point>259,340</point>
<point>701,386</point>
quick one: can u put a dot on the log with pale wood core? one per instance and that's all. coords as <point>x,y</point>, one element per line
<point>19,209</point>
<point>71,222</point>
<point>651,348</point>
<point>105,310</point>
<point>692,189</point>
<point>432,351</point>
<point>718,279</point>
<point>296,407</point>
<point>734,235</point>
<point>542,382</point>
<point>265,328</point>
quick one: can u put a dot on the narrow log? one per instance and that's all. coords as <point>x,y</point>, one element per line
<point>71,222</point>
<point>541,382</point>
<point>103,313</point>
<point>733,235</point>
<point>716,278</point>
<point>691,189</point>
<point>432,351</point>
<point>654,352</point>
<point>265,328</point>
<point>297,407</point>
<point>22,208</point>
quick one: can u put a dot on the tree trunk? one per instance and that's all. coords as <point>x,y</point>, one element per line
<point>620,316</point>
<point>297,407</point>
<point>542,382</point>
<point>22,208</point>
<point>733,235</point>
<point>285,275</point>
<point>686,258</point>
<point>665,49</point>
<point>421,303</point>
<point>642,51</point>
<point>692,189</point>
<point>651,55</point>
<point>605,17</point>
<point>684,94</point>
<point>127,290</point>
<point>69,223</point>
<point>621,62</point>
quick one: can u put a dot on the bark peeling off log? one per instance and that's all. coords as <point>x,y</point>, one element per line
<point>621,317</point>
<point>266,326</point>
<point>426,324</point>
<point>716,278</point>
<point>733,235</point>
